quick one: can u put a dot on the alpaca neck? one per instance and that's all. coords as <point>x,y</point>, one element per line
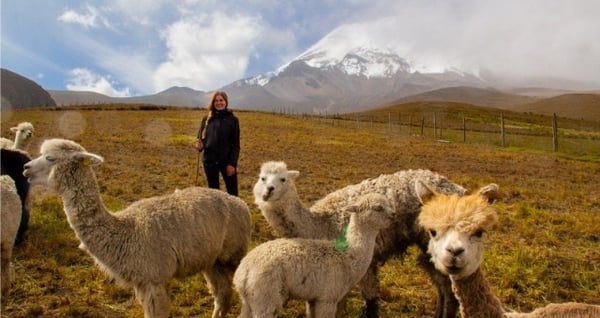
<point>361,245</point>
<point>82,202</point>
<point>475,297</point>
<point>20,144</point>
<point>289,217</point>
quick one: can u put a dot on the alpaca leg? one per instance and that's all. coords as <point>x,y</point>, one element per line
<point>325,309</point>
<point>447,305</point>
<point>154,300</point>
<point>369,286</point>
<point>219,283</point>
<point>5,268</point>
<point>342,308</point>
<point>310,309</point>
<point>246,311</point>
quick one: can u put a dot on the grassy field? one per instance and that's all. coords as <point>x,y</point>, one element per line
<point>546,247</point>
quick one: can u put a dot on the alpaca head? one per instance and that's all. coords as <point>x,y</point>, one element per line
<point>373,210</point>
<point>55,153</point>
<point>274,182</point>
<point>23,133</point>
<point>456,226</point>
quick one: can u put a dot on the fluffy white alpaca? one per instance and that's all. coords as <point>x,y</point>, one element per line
<point>23,136</point>
<point>11,218</point>
<point>457,226</point>
<point>317,271</point>
<point>143,246</point>
<point>277,197</point>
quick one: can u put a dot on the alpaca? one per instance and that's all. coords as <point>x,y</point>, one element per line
<point>277,198</point>
<point>317,271</point>
<point>456,226</point>
<point>11,218</point>
<point>23,136</point>
<point>12,162</point>
<point>154,239</point>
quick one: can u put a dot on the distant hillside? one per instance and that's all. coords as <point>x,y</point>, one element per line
<point>470,95</point>
<point>174,96</point>
<point>20,92</point>
<point>576,106</point>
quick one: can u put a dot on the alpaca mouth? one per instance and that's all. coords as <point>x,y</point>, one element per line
<point>266,196</point>
<point>453,269</point>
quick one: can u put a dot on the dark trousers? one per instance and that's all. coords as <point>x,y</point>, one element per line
<point>212,171</point>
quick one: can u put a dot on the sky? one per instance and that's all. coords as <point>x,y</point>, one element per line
<point>126,48</point>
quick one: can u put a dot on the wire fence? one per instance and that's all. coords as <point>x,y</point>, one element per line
<point>528,131</point>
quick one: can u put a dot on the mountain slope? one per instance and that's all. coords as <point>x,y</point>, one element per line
<point>174,96</point>
<point>20,92</point>
<point>471,95</point>
<point>576,106</point>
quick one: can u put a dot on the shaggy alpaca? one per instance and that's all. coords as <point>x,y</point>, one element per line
<point>12,162</point>
<point>276,196</point>
<point>23,136</point>
<point>456,226</point>
<point>317,271</point>
<point>11,218</point>
<point>145,245</point>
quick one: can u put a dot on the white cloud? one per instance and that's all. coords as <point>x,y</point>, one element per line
<point>82,79</point>
<point>91,18</point>
<point>207,51</point>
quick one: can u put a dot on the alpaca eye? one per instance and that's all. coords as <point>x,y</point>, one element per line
<point>433,233</point>
<point>282,180</point>
<point>51,159</point>
<point>478,233</point>
<point>263,179</point>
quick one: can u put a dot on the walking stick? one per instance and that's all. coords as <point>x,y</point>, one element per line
<point>197,169</point>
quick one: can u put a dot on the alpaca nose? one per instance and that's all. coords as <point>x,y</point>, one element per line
<point>455,251</point>
<point>270,189</point>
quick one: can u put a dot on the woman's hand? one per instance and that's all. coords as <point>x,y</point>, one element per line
<point>230,170</point>
<point>198,145</point>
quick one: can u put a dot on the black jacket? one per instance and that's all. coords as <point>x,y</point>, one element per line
<point>222,140</point>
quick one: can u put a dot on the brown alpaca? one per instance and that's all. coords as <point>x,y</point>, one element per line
<point>456,226</point>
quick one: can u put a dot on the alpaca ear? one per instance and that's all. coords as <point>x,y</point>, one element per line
<point>14,129</point>
<point>423,191</point>
<point>490,192</point>
<point>293,174</point>
<point>89,159</point>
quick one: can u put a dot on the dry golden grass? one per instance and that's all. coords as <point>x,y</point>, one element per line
<point>546,247</point>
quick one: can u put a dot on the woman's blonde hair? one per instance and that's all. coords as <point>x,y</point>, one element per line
<point>211,108</point>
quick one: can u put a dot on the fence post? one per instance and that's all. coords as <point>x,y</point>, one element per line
<point>464,131</point>
<point>502,129</point>
<point>434,126</point>
<point>422,125</point>
<point>554,133</point>
<point>390,121</point>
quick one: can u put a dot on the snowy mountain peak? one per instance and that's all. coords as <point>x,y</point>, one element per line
<point>369,62</point>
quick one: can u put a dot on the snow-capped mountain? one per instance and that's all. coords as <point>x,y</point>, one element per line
<point>328,79</point>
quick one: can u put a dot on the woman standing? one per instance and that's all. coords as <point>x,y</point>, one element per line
<point>219,138</point>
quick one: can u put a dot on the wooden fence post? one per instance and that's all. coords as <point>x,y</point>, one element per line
<point>502,129</point>
<point>422,125</point>
<point>434,126</point>
<point>554,133</point>
<point>464,131</point>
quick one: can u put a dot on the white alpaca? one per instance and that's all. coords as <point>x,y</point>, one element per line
<point>11,218</point>
<point>456,226</point>
<point>145,245</point>
<point>277,197</point>
<point>317,271</point>
<point>23,136</point>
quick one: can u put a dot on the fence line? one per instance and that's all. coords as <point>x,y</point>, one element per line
<point>480,128</point>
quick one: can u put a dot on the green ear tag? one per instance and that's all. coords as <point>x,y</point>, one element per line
<point>340,242</point>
